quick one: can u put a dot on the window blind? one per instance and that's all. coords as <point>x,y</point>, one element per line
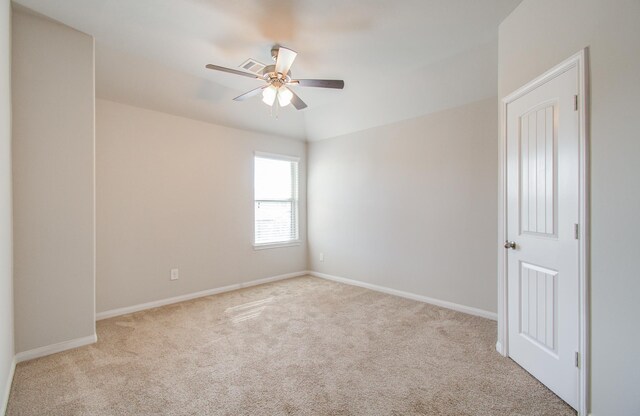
<point>276,199</point>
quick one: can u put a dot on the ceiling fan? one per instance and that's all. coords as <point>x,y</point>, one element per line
<point>278,80</point>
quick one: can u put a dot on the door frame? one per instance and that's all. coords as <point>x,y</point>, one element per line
<point>579,61</point>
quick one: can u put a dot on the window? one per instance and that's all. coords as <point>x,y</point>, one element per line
<point>276,200</point>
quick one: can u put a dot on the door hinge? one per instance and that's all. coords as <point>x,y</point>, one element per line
<point>575,102</point>
<point>577,359</point>
<point>576,231</point>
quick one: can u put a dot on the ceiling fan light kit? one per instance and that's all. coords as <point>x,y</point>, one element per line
<point>284,96</point>
<point>278,79</point>
<point>269,95</point>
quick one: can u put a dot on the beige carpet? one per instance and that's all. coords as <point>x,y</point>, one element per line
<point>301,346</point>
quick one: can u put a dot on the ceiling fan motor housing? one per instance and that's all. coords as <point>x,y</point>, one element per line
<point>275,78</point>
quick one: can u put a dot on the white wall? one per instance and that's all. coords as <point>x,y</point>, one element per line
<point>536,36</point>
<point>53,182</point>
<point>6,254</point>
<point>411,205</point>
<point>175,192</point>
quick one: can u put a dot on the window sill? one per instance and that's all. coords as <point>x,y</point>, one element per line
<point>276,245</point>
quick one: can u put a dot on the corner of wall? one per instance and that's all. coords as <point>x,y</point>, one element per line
<point>4,399</point>
<point>7,331</point>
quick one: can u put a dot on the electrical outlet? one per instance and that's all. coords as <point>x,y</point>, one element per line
<point>175,274</point>
<point>321,256</point>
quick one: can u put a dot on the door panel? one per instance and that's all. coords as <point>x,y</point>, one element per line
<point>537,167</point>
<point>542,211</point>
<point>538,305</point>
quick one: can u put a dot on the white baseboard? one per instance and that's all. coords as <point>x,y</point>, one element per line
<point>499,348</point>
<point>157,303</point>
<point>7,390</point>
<point>54,348</point>
<point>443,303</point>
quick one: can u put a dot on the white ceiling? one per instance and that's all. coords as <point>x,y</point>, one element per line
<point>399,58</point>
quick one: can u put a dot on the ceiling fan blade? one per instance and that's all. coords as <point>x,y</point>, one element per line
<point>232,71</point>
<point>285,60</point>
<point>296,101</point>
<point>250,94</point>
<point>320,83</point>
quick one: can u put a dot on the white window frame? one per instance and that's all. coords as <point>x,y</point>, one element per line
<point>295,200</point>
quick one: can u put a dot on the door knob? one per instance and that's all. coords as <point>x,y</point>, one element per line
<point>510,245</point>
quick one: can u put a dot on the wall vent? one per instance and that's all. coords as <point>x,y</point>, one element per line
<point>253,66</point>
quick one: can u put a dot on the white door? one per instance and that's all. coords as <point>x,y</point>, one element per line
<point>542,247</point>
